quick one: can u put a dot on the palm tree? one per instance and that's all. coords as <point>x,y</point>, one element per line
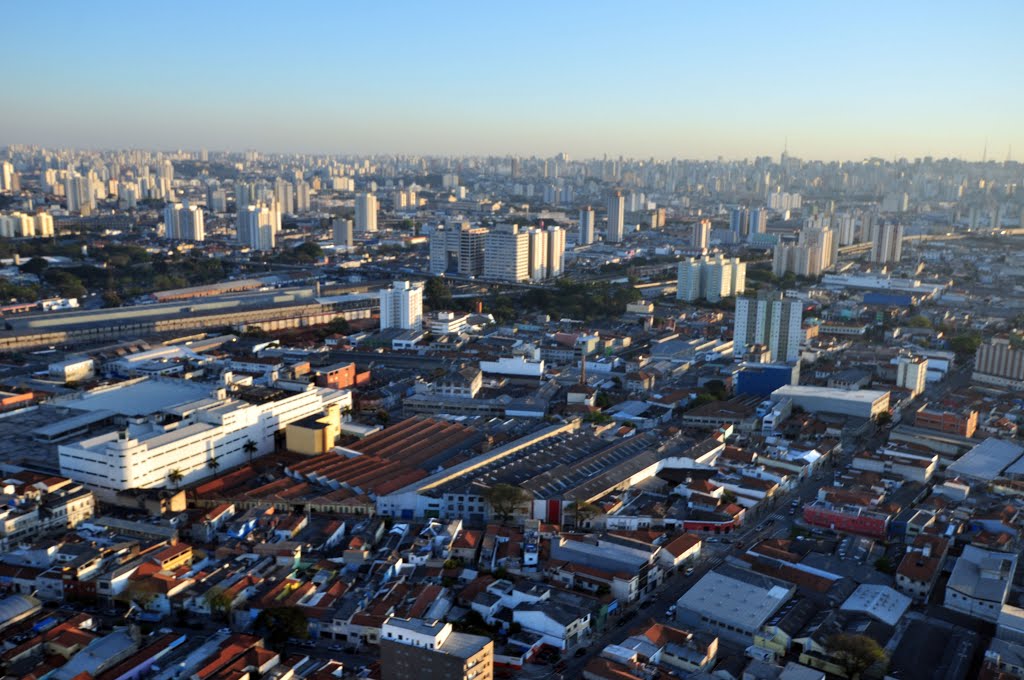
<point>213,464</point>
<point>250,448</point>
<point>175,477</point>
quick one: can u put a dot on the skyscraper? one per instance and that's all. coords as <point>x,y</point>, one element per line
<point>886,242</point>
<point>616,218</point>
<point>401,306</point>
<point>769,319</point>
<point>586,235</point>
<point>256,227</point>
<point>366,213</point>
<point>710,278</point>
<point>507,253</point>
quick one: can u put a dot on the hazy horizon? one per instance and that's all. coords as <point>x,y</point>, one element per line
<point>662,80</point>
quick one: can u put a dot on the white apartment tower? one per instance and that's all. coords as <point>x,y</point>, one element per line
<point>886,242</point>
<point>586,235</point>
<point>772,320</point>
<point>401,306</point>
<point>257,228</point>
<point>711,278</point>
<point>507,253</point>
<point>184,222</point>
<point>366,213</point>
<point>556,252</point>
<point>616,218</point>
<point>538,254</point>
<point>700,237</point>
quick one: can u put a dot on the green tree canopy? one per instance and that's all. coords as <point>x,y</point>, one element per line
<point>855,653</point>
<point>506,499</point>
<point>282,623</point>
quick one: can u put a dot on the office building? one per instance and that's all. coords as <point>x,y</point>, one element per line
<point>886,242</point>
<point>507,253</point>
<point>401,306</point>
<point>772,320</point>
<point>216,423</point>
<point>184,222</point>
<point>257,228</point>
<point>616,218</point>
<point>700,237</point>
<point>998,362</point>
<point>458,248</point>
<point>341,231</point>
<point>710,278</point>
<point>366,213</point>
<point>556,252</point>
<point>586,235</point>
<point>432,650</point>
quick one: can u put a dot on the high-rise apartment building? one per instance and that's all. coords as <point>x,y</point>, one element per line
<point>342,233</point>
<point>284,194</point>
<point>700,237</point>
<point>772,320</point>
<point>44,225</point>
<point>710,278</point>
<point>758,221</point>
<point>401,306</point>
<point>457,247</point>
<point>301,197</point>
<point>556,252</point>
<point>257,228</point>
<point>538,258</point>
<point>17,225</point>
<point>6,176</point>
<point>739,223</point>
<point>507,253</point>
<point>80,194</point>
<point>586,235</point>
<point>184,222</point>
<point>911,373</point>
<point>366,213</point>
<point>432,650</point>
<point>813,254</point>
<point>616,218</point>
<point>886,242</point>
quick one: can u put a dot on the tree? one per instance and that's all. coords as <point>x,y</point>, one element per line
<point>35,266</point>
<point>219,601</point>
<point>855,653</point>
<point>884,418</point>
<point>920,321</point>
<point>582,511</point>
<point>965,344</point>
<point>214,465</point>
<point>175,477</point>
<point>506,499</point>
<point>250,449</point>
<point>112,299</point>
<point>437,294</point>
<point>281,624</point>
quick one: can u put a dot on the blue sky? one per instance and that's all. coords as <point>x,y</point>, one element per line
<point>840,80</point>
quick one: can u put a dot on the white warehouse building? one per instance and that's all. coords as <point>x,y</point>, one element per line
<point>855,403</point>
<point>186,436</point>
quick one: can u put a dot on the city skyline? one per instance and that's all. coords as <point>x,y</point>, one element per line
<point>663,81</point>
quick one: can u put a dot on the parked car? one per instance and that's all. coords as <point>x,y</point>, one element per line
<point>689,571</point>
<point>582,651</point>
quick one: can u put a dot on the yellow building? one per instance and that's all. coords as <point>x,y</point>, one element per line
<point>314,434</point>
